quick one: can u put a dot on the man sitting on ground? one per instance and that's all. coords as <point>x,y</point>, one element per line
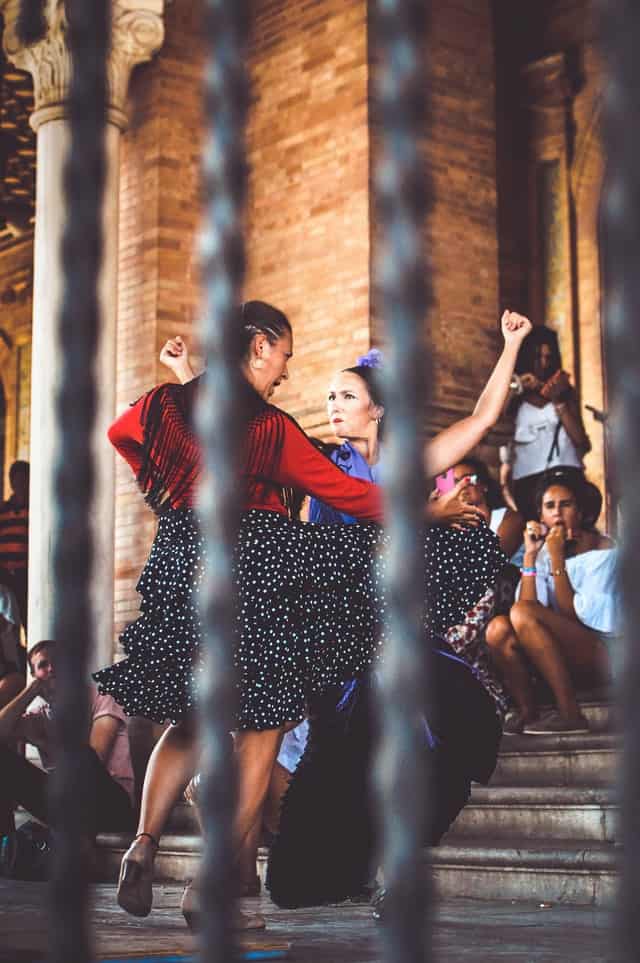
<point>106,774</point>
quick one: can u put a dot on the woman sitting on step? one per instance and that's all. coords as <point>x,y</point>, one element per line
<point>565,619</point>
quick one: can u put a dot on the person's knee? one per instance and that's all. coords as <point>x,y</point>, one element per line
<point>524,615</point>
<point>499,633</point>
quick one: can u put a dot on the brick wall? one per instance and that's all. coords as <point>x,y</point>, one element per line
<point>308,211</point>
<point>16,284</point>
<point>462,233</point>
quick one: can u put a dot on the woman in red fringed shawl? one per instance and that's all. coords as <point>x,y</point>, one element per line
<point>311,610</point>
<point>287,580</point>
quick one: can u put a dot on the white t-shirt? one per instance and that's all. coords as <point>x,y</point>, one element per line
<point>533,439</point>
<point>36,728</point>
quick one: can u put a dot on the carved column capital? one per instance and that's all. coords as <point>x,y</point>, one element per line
<point>137,34</point>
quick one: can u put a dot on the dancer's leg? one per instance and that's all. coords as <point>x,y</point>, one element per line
<point>247,858</point>
<point>278,786</point>
<point>171,766</point>
<point>256,753</point>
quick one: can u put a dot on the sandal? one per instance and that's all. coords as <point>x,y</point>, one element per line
<point>135,883</point>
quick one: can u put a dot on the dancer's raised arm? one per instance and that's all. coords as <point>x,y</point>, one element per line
<point>452,444</point>
<point>175,357</point>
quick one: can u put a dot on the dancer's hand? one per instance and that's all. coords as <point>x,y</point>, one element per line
<point>515,327</point>
<point>175,357</point>
<point>450,509</point>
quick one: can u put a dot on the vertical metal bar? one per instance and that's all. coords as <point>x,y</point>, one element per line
<point>403,281</point>
<point>88,38</point>
<point>220,422</point>
<point>621,40</point>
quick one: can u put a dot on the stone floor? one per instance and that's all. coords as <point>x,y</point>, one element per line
<point>465,930</point>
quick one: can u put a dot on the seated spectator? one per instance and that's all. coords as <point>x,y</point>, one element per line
<point>565,618</point>
<point>14,536</point>
<point>482,492</point>
<point>106,773</point>
<point>11,652</point>
<point>476,488</point>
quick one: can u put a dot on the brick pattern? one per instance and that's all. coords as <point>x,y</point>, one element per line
<point>461,239</point>
<point>308,211</point>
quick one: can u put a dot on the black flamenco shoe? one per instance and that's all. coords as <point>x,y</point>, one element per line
<point>135,884</point>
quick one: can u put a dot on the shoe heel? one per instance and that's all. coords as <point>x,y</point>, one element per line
<point>189,907</point>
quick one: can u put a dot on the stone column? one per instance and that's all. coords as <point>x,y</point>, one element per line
<point>137,34</point>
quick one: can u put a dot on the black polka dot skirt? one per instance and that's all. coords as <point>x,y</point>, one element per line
<point>311,612</point>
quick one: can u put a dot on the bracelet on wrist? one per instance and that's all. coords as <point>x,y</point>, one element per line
<point>528,570</point>
<point>559,571</point>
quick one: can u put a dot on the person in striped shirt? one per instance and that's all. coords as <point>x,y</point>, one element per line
<point>14,536</point>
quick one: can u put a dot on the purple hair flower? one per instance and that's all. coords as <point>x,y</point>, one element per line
<point>372,359</point>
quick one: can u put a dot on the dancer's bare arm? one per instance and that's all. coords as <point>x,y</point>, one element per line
<point>452,444</point>
<point>175,357</point>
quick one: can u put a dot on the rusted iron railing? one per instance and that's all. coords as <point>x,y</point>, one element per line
<point>402,278</point>
<point>220,416</point>
<point>621,257</point>
<point>88,36</point>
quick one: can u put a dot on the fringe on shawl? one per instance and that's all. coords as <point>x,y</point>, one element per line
<point>172,458</point>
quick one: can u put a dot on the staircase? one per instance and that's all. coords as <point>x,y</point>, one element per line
<point>544,829</point>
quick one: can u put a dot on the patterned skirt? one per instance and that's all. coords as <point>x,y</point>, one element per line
<point>311,612</point>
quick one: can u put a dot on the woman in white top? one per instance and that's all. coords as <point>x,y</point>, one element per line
<point>549,432</point>
<point>565,615</point>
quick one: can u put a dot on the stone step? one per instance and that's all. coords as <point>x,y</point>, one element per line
<point>516,869</point>
<point>587,760</point>
<point>183,819</point>
<point>540,812</point>
<point>176,861</point>
<point>575,873</point>
<point>601,714</point>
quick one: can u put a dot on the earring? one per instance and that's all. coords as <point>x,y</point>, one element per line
<point>256,363</point>
<point>378,421</point>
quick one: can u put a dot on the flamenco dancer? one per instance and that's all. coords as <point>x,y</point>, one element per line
<point>327,820</point>
<point>282,653</point>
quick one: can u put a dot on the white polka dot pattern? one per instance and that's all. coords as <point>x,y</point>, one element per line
<point>311,611</point>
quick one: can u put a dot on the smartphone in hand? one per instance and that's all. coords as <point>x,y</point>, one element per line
<point>445,482</point>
